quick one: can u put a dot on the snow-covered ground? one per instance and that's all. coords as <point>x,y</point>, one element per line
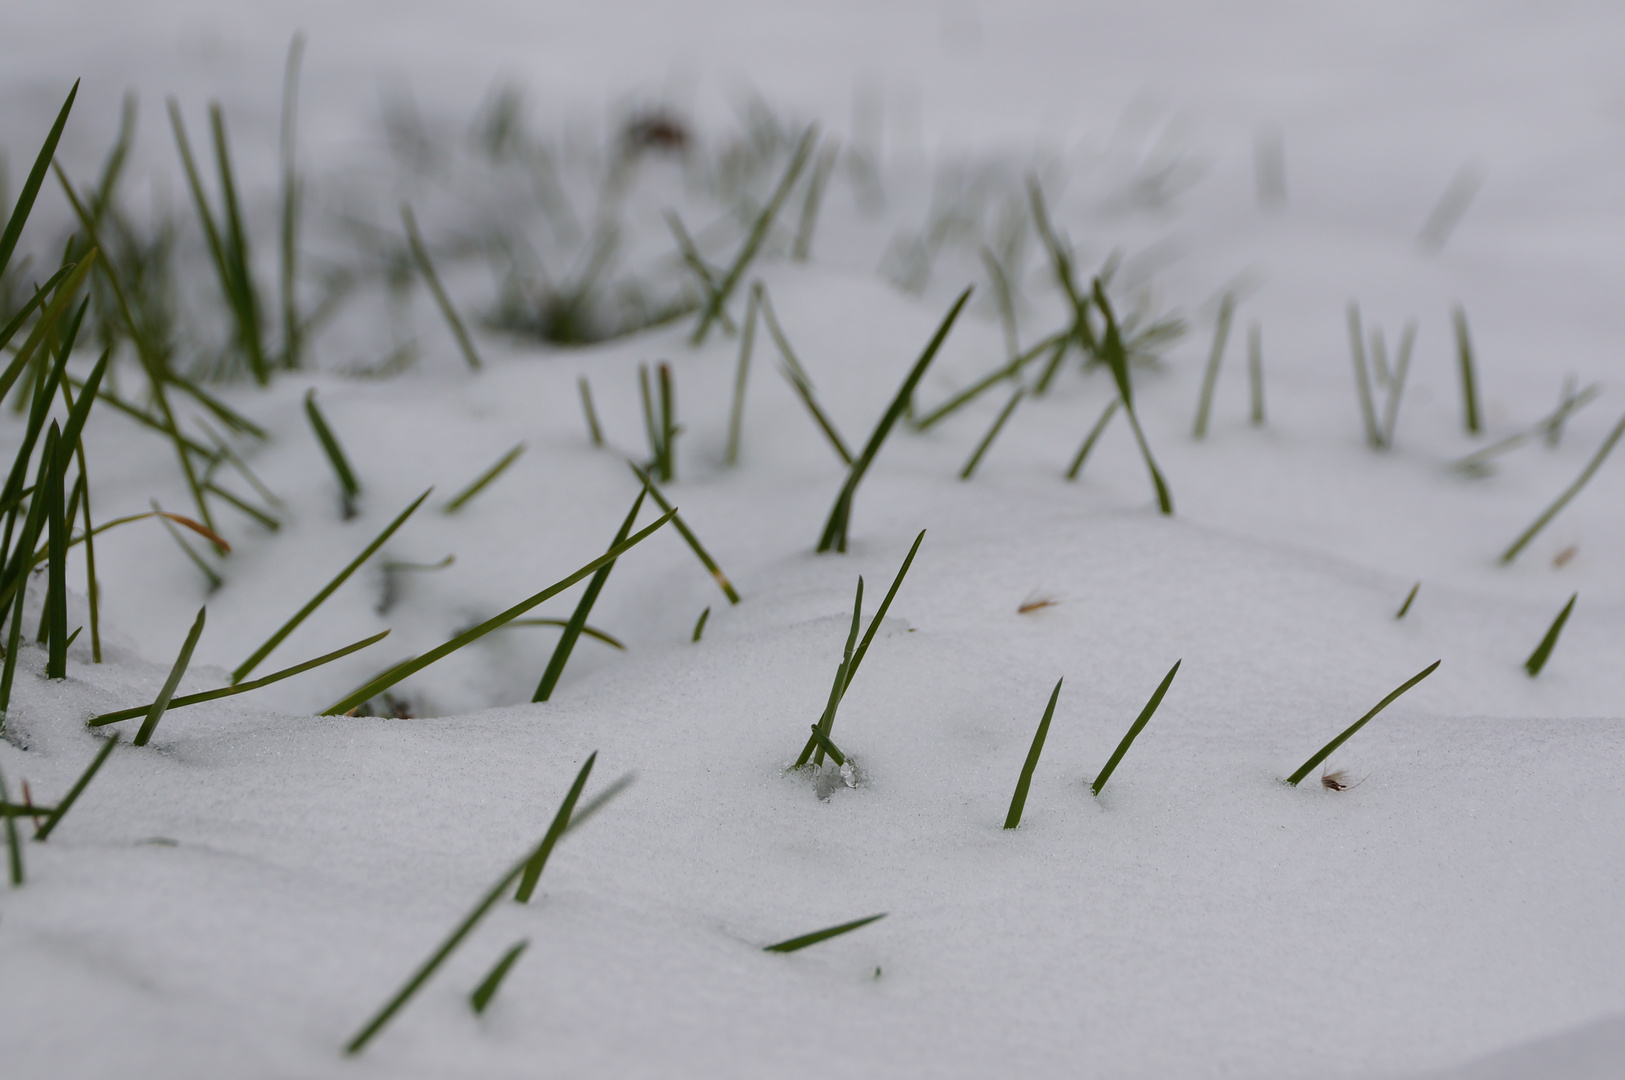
<point>238,897</point>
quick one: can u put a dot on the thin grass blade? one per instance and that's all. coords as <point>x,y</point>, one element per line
<point>1568,493</point>
<point>43,832</point>
<point>1543,651</point>
<point>561,821</point>
<point>156,712</point>
<point>330,446</point>
<point>483,993</point>
<point>992,433</point>
<point>1410,598</point>
<point>36,176</point>
<point>425,265</point>
<point>594,432</point>
<point>693,541</point>
<point>1210,377</point>
<point>1135,728</point>
<point>578,618</point>
<point>1326,751</point>
<point>1093,437</point>
<point>816,936</point>
<point>1469,374</point>
<point>1255,373</point>
<point>483,479</point>
<point>699,625</point>
<point>1018,801</point>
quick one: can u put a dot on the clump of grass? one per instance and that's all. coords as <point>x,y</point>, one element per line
<point>816,936</point>
<point>578,619</point>
<point>156,711</point>
<point>43,832</point>
<point>483,993</point>
<point>840,514</point>
<point>1134,729</point>
<point>1543,651</point>
<point>699,625</point>
<point>425,265</point>
<point>1326,751</point>
<point>1568,493</point>
<point>1210,377</point>
<point>660,423</point>
<point>484,479</point>
<point>349,486</point>
<point>1018,801</point>
<point>689,538</point>
<point>1410,597</point>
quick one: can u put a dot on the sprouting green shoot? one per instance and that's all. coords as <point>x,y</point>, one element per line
<point>156,711</point>
<point>1568,493</point>
<point>1255,372</point>
<point>1543,651</point>
<point>699,625</point>
<point>483,993</point>
<point>14,844</point>
<point>1018,801</point>
<point>821,935</point>
<point>1210,377</point>
<point>483,479</point>
<point>578,619</point>
<point>688,536</point>
<point>840,514</point>
<point>1409,598</point>
<point>1326,751</point>
<point>1362,378</point>
<point>747,343</point>
<point>1469,375</point>
<point>242,687</point>
<point>420,256</point>
<point>407,668</point>
<point>43,832</point>
<point>1134,729</point>
<point>992,433</point>
<point>1115,356</point>
<point>427,969</point>
<point>1093,437</point>
<point>561,822</point>
<point>335,454</point>
<point>826,722</point>
<point>326,590</point>
<point>594,431</point>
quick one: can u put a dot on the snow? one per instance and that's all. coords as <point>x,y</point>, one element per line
<point>238,897</point>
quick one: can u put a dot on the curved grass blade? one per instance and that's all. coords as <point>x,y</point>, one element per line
<point>407,668</point>
<point>688,535</point>
<point>1568,493</point>
<point>821,935</point>
<point>578,619</point>
<point>837,689</point>
<point>483,993</point>
<point>1326,751</point>
<point>156,712</point>
<point>241,688</point>
<point>1537,659</point>
<point>1134,729</point>
<point>420,256</point>
<point>561,822</point>
<point>1018,801</point>
<point>840,514</point>
<point>485,478</point>
<point>214,579</point>
<point>590,631</point>
<point>43,832</point>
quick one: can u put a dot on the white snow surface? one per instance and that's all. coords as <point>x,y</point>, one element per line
<point>237,898</point>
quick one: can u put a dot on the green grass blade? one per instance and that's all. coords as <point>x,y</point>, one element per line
<point>835,528</point>
<point>561,822</point>
<point>1018,801</point>
<point>837,689</point>
<point>584,812</point>
<point>483,479</point>
<point>1116,358</point>
<point>409,667</point>
<point>39,296</point>
<point>238,504</point>
<point>289,143</point>
<point>1326,751</point>
<point>880,612</point>
<point>800,381</point>
<point>747,344</point>
<point>56,520</point>
<point>1134,729</point>
<point>335,453</point>
<point>241,687</point>
<point>243,295</point>
<point>36,176</point>
<point>1255,373</point>
<point>1362,378</point>
<point>483,993</point>
<point>825,746</point>
<point>40,337</point>
<point>1469,375</point>
<point>992,433</point>
<point>208,572</point>
<point>1568,493</point>
<point>14,843</point>
<point>16,576</point>
<point>1396,385</point>
<point>821,935</point>
<point>693,541</point>
<point>1210,377</point>
<point>1093,437</point>
<point>156,712</point>
<point>986,383</point>
<point>1537,659</point>
<point>809,209</point>
<point>1410,597</point>
<point>578,619</point>
<point>43,832</point>
<point>699,625</point>
<point>595,432</point>
<point>326,590</point>
<point>589,631</point>
<point>420,256</point>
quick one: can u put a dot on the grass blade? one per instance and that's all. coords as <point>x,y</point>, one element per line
<point>214,579</point>
<point>800,381</point>
<point>335,454</point>
<point>1362,378</point>
<point>1093,437</point>
<point>156,712</point>
<point>840,514</point>
<point>291,325</point>
<point>244,296</point>
<point>992,433</point>
<point>837,688</point>
<point>16,575</point>
<point>699,626</point>
<point>36,176</point>
<point>880,612</point>
<point>1326,751</point>
<point>825,746</point>
<point>1410,597</point>
<point>1210,377</point>
<point>578,619</point>
<point>693,541</point>
<point>561,821</point>
<point>483,479</point>
<point>1537,659</point>
<point>595,432</point>
<point>1116,358</point>
<point>1396,385</point>
<point>1005,299</point>
<point>56,594</point>
<point>747,343</point>
<point>1018,801</point>
<point>809,208</point>
<point>407,668</point>
<point>1469,376</point>
<point>326,590</point>
<point>241,687</point>
<point>483,993</point>
<point>590,631</point>
<point>43,832</point>
<point>14,843</point>
<point>420,256</point>
<point>821,935</point>
<point>1255,372</point>
<point>987,382</point>
<point>1568,493</point>
<point>1134,729</point>
<point>584,812</point>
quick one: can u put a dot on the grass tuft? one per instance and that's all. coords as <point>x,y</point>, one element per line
<point>1543,651</point>
<point>1326,751</point>
<point>1018,801</point>
<point>1134,729</point>
<point>156,711</point>
<point>816,936</point>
